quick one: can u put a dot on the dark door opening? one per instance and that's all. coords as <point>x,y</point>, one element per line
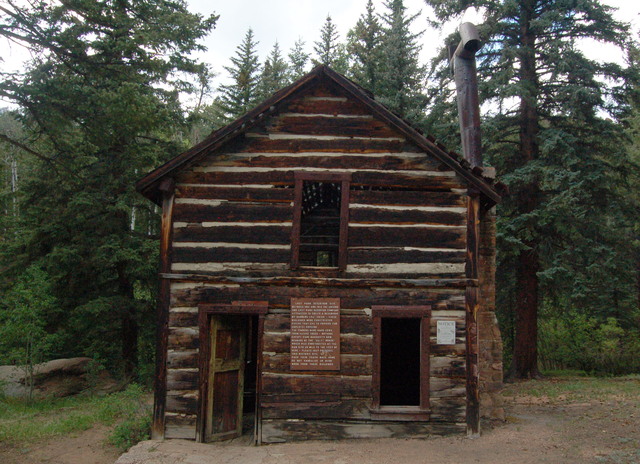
<point>232,377</point>
<point>400,362</point>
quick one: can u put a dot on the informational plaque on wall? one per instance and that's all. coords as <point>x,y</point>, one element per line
<point>446,334</point>
<point>315,334</point>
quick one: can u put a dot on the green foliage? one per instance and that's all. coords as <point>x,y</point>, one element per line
<point>553,131</point>
<point>329,50</point>
<point>275,73</point>
<point>401,82</point>
<point>576,341</point>
<point>24,340</point>
<point>137,424</point>
<point>25,422</point>
<point>99,104</point>
<point>364,48</point>
<point>298,59</point>
<point>578,388</point>
<point>242,94</point>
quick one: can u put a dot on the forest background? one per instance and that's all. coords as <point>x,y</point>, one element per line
<point>101,101</point>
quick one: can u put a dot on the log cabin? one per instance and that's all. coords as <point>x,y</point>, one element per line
<point>326,272</point>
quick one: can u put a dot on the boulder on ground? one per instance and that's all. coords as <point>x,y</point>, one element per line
<point>60,377</point>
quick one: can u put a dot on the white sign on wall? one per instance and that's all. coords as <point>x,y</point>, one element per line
<point>446,333</point>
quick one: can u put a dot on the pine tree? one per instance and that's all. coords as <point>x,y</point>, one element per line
<point>298,59</point>
<point>99,103</point>
<point>275,73</point>
<point>363,46</point>
<point>329,50</point>
<point>402,78</point>
<point>559,156</point>
<point>242,94</point>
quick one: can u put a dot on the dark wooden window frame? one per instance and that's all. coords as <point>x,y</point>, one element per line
<point>333,177</point>
<point>205,311</point>
<point>408,413</point>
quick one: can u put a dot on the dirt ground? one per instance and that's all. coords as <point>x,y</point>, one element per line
<point>86,447</point>
<point>584,428</point>
<point>596,427</point>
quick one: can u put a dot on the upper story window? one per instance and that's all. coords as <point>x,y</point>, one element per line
<point>320,220</point>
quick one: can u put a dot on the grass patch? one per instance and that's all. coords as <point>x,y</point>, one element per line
<point>573,388</point>
<point>22,422</point>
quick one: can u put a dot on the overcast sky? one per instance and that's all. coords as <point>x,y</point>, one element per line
<point>288,20</point>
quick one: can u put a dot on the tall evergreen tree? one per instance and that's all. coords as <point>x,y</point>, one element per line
<point>275,73</point>
<point>402,81</point>
<point>298,59</point>
<point>329,50</point>
<point>242,94</point>
<point>363,46</point>
<point>556,152</point>
<point>99,100</point>
<point>327,47</point>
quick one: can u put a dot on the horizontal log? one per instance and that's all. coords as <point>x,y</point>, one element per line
<point>182,359</point>
<point>405,216</point>
<point>447,350</point>
<point>180,419</point>
<point>277,431</point>
<point>230,254</point>
<point>265,145</point>
<point>276,178</point>
<point>407,198</point>
<point>183,319</point>
<point>342,409</point>
<point>232,212</point>
<point>372,255</point>
<point>447,366</point>
<point>349,343</point>
<point>182,402</point>
<point>323,125</point>
<point>178,379</point>
<point>350,298</point>
<point>387,162</point>
<point>440,387</point>
<point>448,409</point>
<point>248,194</point>
<point>237,269</point>
<point>183,432</point>
<point>360,325</point>
<point>312,106</point>
<point>261,235</point>
<point>349,365</point>
<point>411,270</point>
<point>407,237</point>
<point>359,387</point>
<point>326,89</point>
<point>415,181</point>
<point>183,338</point>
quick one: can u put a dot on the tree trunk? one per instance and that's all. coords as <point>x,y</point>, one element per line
<point>128,324</point>
<point>525,350</point>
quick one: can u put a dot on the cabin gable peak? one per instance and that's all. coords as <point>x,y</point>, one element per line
<point>324,85</point>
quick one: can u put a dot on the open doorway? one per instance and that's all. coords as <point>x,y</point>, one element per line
<point>401,337</point>
<point>229,367</point>
<point>400,362</point>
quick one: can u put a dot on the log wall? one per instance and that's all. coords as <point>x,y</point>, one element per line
<point>407,233</point>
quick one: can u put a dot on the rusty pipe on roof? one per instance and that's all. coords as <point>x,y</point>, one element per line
<point>463,62</point>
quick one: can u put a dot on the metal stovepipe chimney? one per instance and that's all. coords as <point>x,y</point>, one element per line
<point>463,61</point>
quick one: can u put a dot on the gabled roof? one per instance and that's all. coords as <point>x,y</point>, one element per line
<point>149,185</point>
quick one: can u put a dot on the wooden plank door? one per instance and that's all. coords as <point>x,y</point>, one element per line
<point>226,377</point>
